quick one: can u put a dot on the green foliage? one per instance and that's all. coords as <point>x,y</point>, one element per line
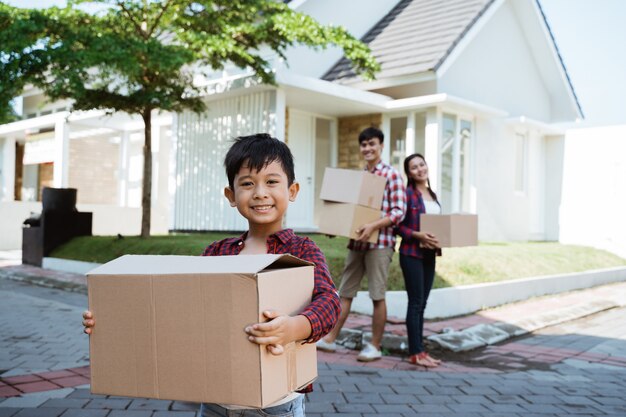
<point>22,56</point>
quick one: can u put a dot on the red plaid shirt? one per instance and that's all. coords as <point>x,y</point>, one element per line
<point>393,206</point>
<point>323,312</point>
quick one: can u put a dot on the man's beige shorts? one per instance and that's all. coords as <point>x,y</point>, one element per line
<point>375,264</point>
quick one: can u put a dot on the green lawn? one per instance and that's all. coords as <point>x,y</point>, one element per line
<point>487,262</point>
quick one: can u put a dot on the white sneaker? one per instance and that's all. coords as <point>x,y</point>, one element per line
<point>369,353</point>
<point>325,346</point>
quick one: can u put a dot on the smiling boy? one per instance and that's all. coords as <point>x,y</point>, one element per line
<point>261,183</point>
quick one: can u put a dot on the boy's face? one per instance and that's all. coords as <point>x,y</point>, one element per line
<point>262,197</point>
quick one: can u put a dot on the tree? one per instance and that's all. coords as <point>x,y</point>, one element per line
<point>137,56</point>
<point>20,55</point>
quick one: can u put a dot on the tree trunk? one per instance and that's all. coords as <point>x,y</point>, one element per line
<point>146,191</point>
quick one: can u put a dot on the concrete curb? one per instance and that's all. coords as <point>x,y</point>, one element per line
<point>468,299</point>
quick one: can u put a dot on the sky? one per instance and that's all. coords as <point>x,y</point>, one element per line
<point>591,37</point>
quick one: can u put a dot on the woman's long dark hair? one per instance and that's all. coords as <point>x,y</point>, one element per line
<point>411,181</point>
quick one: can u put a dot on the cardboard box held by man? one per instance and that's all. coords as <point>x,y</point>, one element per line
<point>351,199</point>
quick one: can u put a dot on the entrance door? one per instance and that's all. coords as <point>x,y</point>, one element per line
<point>301,140</point>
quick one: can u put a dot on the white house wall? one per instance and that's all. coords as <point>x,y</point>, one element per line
<point>504,212</point>
<point>593,199</point>
<point>201,143</point>
<point>496,68</point>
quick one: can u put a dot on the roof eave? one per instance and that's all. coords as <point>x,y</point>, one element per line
<point>445,100</point>
<point>389,82</point>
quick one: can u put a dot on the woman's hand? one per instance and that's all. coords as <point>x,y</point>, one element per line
<point>427,240</point>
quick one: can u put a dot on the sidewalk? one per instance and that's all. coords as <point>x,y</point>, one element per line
<point>456,334</point>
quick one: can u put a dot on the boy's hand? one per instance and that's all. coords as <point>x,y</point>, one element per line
<point>278,331</point>
<point>88,322</point>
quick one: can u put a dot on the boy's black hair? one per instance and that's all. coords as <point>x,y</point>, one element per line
<point>258,151</point>
<point>371,132</point>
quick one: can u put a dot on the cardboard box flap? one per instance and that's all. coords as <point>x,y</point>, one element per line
<point>164,265</point>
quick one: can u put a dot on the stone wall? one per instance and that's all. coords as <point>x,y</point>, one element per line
<point>349,128</point>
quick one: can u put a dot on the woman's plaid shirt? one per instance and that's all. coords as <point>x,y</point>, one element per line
<point>323,312</point>
<point>393,206</point>
<point>410,246</point>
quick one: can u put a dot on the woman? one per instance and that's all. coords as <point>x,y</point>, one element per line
<point>417,255</point>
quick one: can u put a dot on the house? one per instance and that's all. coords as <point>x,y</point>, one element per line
<point>477,86</point>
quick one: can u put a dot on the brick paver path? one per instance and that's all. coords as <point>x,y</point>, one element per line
<point>575,369</point>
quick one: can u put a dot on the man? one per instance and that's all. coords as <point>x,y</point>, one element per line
<point>371,259</point>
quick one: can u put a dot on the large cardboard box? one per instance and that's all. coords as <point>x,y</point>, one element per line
<point>451,230</point>
<point>172,327</point>
<point>343,219</point>
<point>355,187</point>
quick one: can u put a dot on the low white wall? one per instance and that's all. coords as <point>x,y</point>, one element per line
<point>466,299</point>
<point>68,265</point>
<point>593,199</point>
<point>107,220</point>
<point>12,215</point>
<point>111,220</point>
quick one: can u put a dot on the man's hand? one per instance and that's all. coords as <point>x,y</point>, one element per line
<point>364,232</point>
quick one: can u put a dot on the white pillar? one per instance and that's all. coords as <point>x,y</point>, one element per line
<point>160,201</point>
<point>172,167</point>
<point>386,129</point>
<point>7,170</point>
<point>62,153</point>
<point>456,167</point>
<point>280,120</point>
<point>431,148</point>
<point>410,134</point>
<point>122,172</point>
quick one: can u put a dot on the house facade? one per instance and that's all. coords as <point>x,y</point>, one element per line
<point>477,86</point>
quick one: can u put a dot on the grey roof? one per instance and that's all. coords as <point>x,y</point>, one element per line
<point>415,36</point>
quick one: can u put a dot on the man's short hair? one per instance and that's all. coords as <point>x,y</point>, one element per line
<point>371,132</point>
<point>257,152</point>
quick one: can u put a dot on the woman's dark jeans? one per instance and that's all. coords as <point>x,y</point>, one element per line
<point>419,275</point>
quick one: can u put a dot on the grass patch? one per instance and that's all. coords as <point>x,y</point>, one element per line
<point>488,262</point>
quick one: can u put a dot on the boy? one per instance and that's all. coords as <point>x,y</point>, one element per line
<point>261,183</point>
<point>371,259</point>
